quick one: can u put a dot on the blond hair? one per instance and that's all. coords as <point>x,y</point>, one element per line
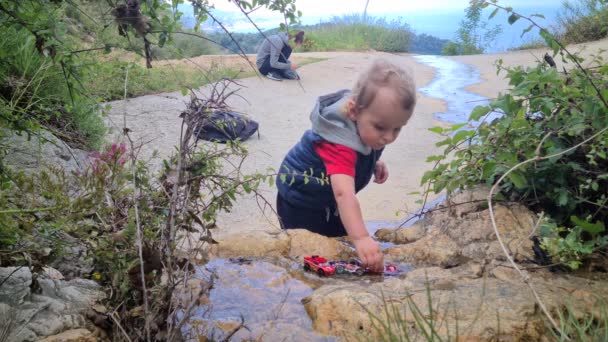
<point>380,74</point>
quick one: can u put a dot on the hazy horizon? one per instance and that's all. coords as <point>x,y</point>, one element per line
<point>440,23</point>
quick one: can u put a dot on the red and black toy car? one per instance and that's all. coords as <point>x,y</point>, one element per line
<point>319,265</point>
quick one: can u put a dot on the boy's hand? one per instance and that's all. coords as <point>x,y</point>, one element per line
<point>380,172</point>
<point>294,66</point>
<point>368,251</point>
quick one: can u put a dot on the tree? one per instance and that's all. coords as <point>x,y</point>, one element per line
<point>474,34</point>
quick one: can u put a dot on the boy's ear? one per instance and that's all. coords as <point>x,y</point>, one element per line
<point>351,110</point>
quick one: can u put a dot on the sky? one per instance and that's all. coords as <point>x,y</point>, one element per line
<point>339,7</point>
<point>440,18</point>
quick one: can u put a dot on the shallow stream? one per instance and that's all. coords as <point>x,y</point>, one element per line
<point>451,79</point>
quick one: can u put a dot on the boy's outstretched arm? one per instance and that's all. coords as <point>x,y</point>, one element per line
<point>368,249</point>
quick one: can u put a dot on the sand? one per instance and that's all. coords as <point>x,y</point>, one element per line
<point>282,110</point>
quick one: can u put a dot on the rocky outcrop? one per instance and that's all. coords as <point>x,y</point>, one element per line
<point>456,235</point>
<point>55,306</point>
<point>463,307</point>
<point>31,153</point>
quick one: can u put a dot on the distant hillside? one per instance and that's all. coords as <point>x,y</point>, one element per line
<point>423,44</point>
<point>427,45</point>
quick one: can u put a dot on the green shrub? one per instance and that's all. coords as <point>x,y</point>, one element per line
<point>583,21</point>
<point>545,113</point>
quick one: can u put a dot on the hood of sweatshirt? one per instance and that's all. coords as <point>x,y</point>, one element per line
<point>329,121</point>
<point>284,37</point>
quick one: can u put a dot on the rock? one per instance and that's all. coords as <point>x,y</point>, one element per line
<point>437,249</point>
<point>291,242</point>
<point>29,154</point>
<point>75,335</point>
<point>506,274</point>
<point>402,235</point>
<point>16,284</point>
<point>304,242</point>
<point>343,310</point>
<point>450,241</point>
<point>277,331</point>
<point>482,309</point>
<point>252,244</point>
<point>74,260</point>
<point>52,273</point>
<point>60,305</point>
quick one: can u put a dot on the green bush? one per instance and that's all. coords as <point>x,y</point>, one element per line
<point>544,114</point>
<point>583,21</point>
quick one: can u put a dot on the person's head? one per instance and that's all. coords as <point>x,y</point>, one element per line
<point>382,102</point>
<point>298,38</point>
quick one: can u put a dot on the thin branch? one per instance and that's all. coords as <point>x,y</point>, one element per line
<point>28,211</point>
<point>117,321</point>
<point>137,221</point>
<point>243,54</point>
<point>563,48</point>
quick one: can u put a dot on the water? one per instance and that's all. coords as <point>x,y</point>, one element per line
<point>450,80</point>
<point>266,294</point>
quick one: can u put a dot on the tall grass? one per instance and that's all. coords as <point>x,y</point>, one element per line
<point>589,327</point>
<point>106,80</point>
<point>354,33</point>
<point>35,91</point>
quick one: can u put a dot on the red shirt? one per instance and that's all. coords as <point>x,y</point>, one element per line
<point>338,159</point>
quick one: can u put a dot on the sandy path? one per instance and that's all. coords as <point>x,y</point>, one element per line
<point>282,109</point>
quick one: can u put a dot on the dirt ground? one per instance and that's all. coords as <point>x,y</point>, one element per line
<point>282,110</point>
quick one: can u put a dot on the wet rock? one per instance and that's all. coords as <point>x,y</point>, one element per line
<point>252,244</point>
<point>279,331</point>
<point>58,305</point>
<point>343,310</point>
<point>292,242</point>
<point>304,242</point>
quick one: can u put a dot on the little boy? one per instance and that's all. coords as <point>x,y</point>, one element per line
<point>349,132</point>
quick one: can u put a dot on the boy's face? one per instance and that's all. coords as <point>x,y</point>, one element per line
<point>380,123</point>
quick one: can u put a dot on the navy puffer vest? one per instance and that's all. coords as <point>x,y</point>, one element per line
<point>313,194</point>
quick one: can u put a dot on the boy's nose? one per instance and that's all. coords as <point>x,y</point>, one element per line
<point>389,137</point>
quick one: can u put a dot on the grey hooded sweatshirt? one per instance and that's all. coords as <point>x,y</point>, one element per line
<point>272,47</point>
<point>329,122</point>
